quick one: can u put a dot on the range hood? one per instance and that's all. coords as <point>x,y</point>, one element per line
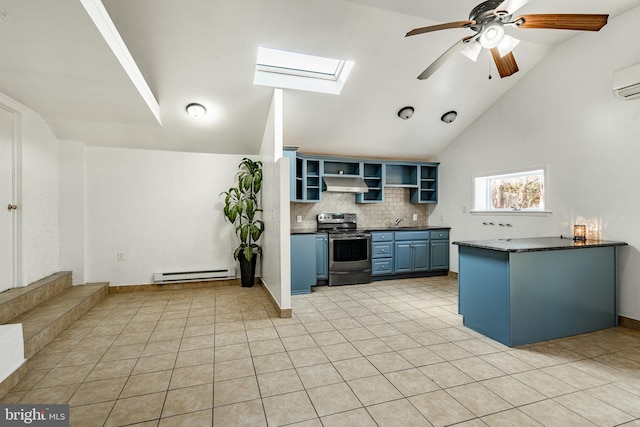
<point>345,184</point>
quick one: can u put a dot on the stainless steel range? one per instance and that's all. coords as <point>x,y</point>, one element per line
<point>349,249</point>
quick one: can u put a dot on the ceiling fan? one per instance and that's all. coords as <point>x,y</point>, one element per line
<point>489,19</point>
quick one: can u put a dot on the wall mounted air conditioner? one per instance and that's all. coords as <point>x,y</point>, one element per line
<point>626,82</point>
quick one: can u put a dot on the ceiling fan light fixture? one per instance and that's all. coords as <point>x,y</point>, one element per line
<point>196,110</point>
<point>507,44</point>
<point>472,50</point>
<point>491,36</point>
<point>405,113</point>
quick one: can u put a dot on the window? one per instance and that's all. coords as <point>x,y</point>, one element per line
<point>292,70</point>
<point>518,191</point>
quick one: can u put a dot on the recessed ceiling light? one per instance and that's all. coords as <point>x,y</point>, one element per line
<point>196,110</point>
<point>449,116</point>
<point>405,113</point>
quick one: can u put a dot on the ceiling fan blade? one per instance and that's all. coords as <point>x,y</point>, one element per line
<point>560,21</point>
<point>506,65</point>
<point>508,7</point>
<point>443,58</point>
<point>448,25</point>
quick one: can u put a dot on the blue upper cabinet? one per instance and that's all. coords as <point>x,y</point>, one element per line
<point>306,172</point>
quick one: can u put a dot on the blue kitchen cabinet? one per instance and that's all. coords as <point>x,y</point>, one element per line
<point>322,256</point>
<point>381,253</point>
<point>427,189</point>
<point>439,251</point>
<point>303,263</point>
<point>411,251</point>
<point>304,177</point>
<point>373,177</point>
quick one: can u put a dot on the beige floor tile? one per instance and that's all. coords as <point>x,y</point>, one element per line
<point>328,338</point>
<point>248,414</point>
<point>50,395</point>
<point>194,357</point>
<point>191,375</point>
<point>510,418</point>
<point>197,342</point>
<point>371,346</point>
<point>153,348</point>
<point>82,357</point>
<point>98,391</point>
<point>288,408</point>
<point>552,414</point>
<point>235,390</point>
<point>441,409</point>
<point>113,369</point>
<point>513,391</point>
<point>373,390</point>
<point>166,334</point>
<point>355,368</point>
<point>65,376</point>
<point>356,417</point>
<point>291,330</point>
<point>280,382</point>
<point>593,409</point>
<point>261,334</point>
<point>389,362</point>
<point>334,398</point>
<point>190,399</point>
<point>400,342</point>
<point>272,362</point>
<point>411,382</point>
<point>618,397</point>
<point>340,351</point>
<point>195,419</point>
<point>544,383</point>
<point>130,351</point>
<point>420,356</point>
<point>477,368</point>
<point>231,369</point>
<point>298,342</point>
<point>45,360</point>
<point>160,362</point>
<point>151,382</point>
<point>90,415</point>
<point>136,410</point>
<point>573,376</point>
<point>449,351</point>
<point>357,334</point>
<point>507,363</point>
<point>397,413</point>
<point>427,337</point>
<point>259,348</point>
<point>307,357</point>
<point>132,338</point>
<point>319,375</point>
<point>479,399</point>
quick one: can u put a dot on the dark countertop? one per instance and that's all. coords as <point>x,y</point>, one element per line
<point>536,244</point>
<point>422,228</point>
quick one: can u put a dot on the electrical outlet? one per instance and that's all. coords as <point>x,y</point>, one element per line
<point>120,256</point>
<point>464,209</point>
<point>415,217</point>
<point>299,218</point>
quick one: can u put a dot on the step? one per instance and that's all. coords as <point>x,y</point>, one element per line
<point>42,323</point>
<point>16,301</point>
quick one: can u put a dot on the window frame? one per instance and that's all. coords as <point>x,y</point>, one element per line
<point>481,196</point>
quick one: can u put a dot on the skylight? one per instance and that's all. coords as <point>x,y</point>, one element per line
<point>292,70</point>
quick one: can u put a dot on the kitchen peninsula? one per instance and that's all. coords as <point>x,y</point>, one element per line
<point>520,291</point>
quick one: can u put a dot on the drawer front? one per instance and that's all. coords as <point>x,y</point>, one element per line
<point>412,235</point>
<point>439,234</point>
<point>382,236</point>
<point>381,266</point>
<point>382,250</point>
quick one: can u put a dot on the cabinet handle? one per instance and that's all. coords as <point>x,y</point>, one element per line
<point>12,207</point>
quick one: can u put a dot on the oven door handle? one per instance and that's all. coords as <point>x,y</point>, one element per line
<point>332,238</point>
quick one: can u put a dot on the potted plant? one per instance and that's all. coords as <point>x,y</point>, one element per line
<point>241,208</point>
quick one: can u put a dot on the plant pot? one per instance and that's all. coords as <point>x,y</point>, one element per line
<point>247,269</point>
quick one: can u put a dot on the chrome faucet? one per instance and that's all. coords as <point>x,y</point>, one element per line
<point>398,221</point>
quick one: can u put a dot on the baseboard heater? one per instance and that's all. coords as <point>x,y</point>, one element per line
<point>194,276</point>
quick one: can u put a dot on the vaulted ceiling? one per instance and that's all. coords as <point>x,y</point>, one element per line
<point>54,60</point>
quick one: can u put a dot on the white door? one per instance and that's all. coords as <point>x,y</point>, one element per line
<point>6,200</point>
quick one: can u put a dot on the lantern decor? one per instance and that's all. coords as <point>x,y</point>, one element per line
<point>580,233</point>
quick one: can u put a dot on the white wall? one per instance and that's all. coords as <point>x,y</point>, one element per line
<point>161,209</point>
<point>275,203</point>
<point>72,208</point>
<point>562,115</point>
<point>37,196</point>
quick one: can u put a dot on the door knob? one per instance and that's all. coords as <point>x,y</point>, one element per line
<point>11,207</point>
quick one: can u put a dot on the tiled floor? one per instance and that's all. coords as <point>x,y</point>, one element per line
<point>389,354</point>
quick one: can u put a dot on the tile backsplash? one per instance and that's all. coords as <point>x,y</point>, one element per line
<point>370,215</point>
